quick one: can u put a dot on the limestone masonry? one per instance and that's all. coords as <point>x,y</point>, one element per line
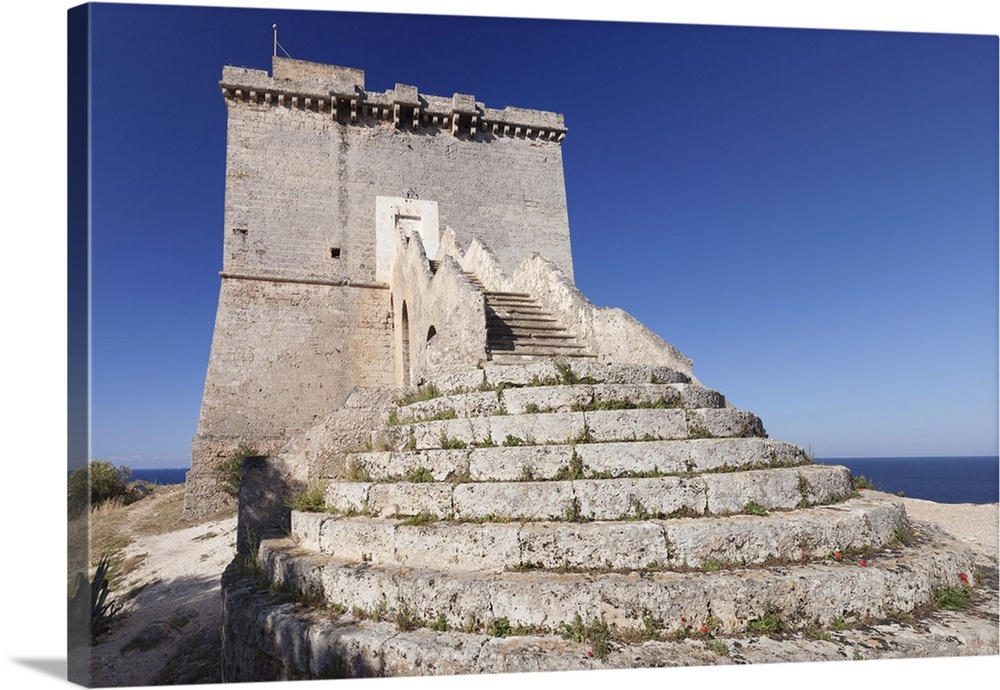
<point>458,463</point>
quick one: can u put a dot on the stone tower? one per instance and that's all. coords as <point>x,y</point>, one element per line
<point>465,465</point>
<point>305,307</point>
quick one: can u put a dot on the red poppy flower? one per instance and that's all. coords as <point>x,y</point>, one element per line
<point>683,619</point>
<point>703,630</point>
<point>590,653</point>
<point>862,563</point>
<point>838,554</point>
<point>963,577</point>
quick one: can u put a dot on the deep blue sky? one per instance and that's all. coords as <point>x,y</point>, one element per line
<point>810,215</point>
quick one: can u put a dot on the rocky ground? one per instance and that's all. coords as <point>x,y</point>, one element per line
<point>168,630</point>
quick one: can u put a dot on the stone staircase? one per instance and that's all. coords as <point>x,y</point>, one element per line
<point>580,509</point>
<point>519,330</point>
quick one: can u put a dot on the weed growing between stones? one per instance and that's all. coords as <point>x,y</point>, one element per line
<point>698,430</point>
<point>405,618</point>
<point>661,403</point>
<point>311,500</point>
<point>512,441</point>
<point>573,512</point>
<point>418,519</point>
<point>571,471</point>
<point>356,472</point>
<point>597,634</point>
<point>769,623</point>
<point>753,508</point>
<point>419,475</point>
<point>583,437</point>
<point>953,598</point>
<point>420,395</point>
<point>447,443</point>
<point>500,627</point>
<point>718,646</point>
<point>903,536</point>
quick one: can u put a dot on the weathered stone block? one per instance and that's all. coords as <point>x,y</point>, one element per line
<point>730,492</point>
<point>348,496</point>
<point>519,462</point>
<point>410,499</point>
<point>619,545</point>
<point>636,425</point>
<point>622,499</point>
<point>520,500</point>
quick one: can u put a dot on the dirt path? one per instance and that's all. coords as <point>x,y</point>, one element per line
<point>169,629</point>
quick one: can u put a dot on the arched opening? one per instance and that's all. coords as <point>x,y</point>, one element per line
<point>431,332</point>
<point>405,327</point>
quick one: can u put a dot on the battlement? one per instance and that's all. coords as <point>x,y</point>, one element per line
<point>340,92</point>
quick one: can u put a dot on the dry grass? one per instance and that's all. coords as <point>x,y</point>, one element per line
<point>114,526</point>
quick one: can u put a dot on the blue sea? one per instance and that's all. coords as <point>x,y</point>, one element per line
<point>941,479</point>
<point>161,477</point>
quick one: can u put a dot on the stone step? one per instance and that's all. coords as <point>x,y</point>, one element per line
<point>521,357</point>
<point>565,398</point>
<point>533,346</point>
<point>801,595</point>
<point>347,645</point>
<point>495,313</point>
<point>576,499</point>
<point>640,545</point>
<point>493,317</point>
<point>519,326</point>
<point>501,296</point>
<point>594,460</point>
<point>572,427</point>
<point>533,333</point>
<point>534,373</point>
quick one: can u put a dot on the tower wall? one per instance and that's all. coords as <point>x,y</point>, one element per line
<point>302,317</point>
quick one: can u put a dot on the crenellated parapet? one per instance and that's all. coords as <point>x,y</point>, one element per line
<point>340,93</point>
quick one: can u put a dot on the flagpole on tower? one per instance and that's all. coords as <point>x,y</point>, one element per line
<point>274,27</point>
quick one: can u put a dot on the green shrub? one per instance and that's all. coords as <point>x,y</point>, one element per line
<point>862,482</point>
<point>100,482</point>
<point>229,472</point>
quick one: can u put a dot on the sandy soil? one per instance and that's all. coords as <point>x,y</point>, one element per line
<point>169,631</point>
<point>975,524</point>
